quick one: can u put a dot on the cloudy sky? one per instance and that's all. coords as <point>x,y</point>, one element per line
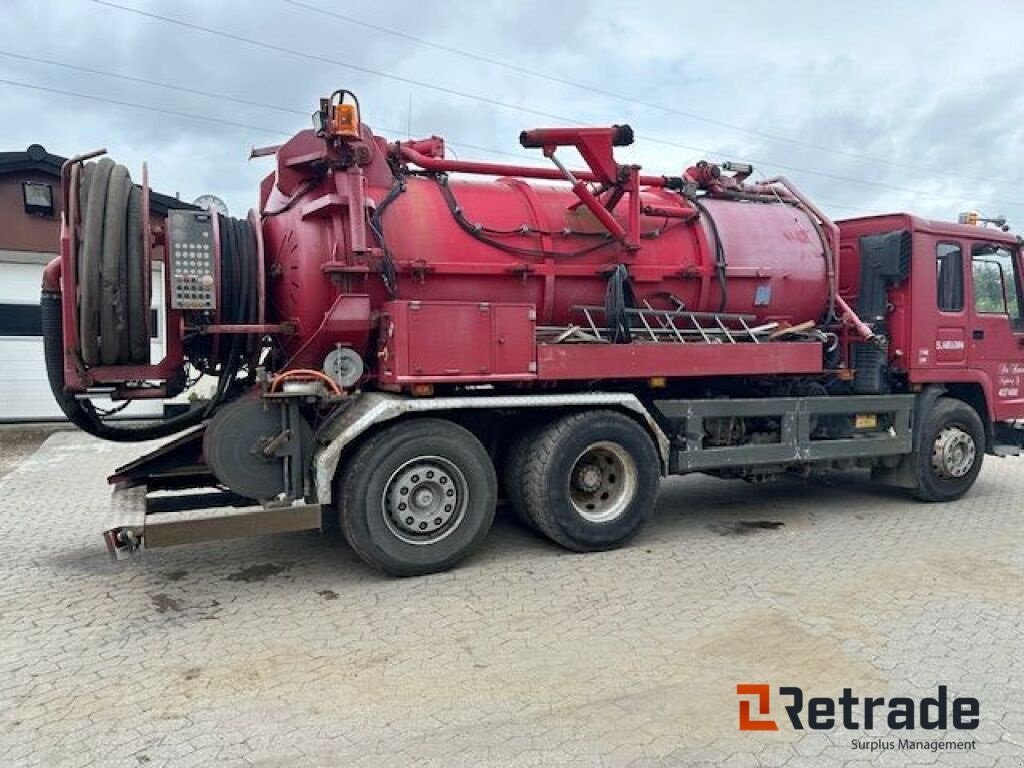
<point>867,106</point>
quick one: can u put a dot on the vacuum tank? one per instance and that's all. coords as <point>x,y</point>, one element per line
<point>375,264</point>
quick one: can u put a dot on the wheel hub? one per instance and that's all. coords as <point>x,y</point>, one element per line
<point>603,482</point>
<point>424,500</point>
<point>953,453</point>
<point>589,478</point>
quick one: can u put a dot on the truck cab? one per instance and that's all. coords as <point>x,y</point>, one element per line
<point>955,320</point>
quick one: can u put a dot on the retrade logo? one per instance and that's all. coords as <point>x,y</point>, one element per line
<point>762,696</point>
<point>900,713</point>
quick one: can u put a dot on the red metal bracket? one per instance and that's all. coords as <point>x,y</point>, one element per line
<point>596,147</point>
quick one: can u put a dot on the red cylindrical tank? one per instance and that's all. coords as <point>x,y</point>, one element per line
<point>544,248</point>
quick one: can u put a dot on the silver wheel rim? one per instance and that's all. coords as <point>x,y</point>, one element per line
<point>953,453</point>
<point>425,500</point>
<point>603,482</point>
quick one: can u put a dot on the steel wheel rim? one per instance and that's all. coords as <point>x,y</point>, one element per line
<point>425,500</point>
<point>953,453</point>
<point>603,482</point>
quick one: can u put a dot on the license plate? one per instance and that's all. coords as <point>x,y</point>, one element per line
<point>866,421</point>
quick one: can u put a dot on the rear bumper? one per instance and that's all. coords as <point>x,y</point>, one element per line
<point>137,520</point>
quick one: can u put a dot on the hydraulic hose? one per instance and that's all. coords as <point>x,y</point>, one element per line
<point>720,263</point>
<point>618,300</point>
<point>238,301</point>
<point>81,413</point>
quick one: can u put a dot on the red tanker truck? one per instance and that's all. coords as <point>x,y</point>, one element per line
<point>396,335</point>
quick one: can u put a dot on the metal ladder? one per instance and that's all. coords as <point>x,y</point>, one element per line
<point>659,326</point>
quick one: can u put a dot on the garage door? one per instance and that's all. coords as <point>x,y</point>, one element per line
<point>24,389</point>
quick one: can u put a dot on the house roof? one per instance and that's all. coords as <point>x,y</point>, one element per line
<point>36,158</point>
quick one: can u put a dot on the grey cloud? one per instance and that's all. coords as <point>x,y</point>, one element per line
<point>935,90</point>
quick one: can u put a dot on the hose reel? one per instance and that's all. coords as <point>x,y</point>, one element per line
<point>111,305</point>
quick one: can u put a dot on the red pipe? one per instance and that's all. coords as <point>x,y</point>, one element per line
<point>607,220</point>
<point>854,320</point>
<point>831,234</point>
<point>444,165</point>
<point>51,276</point>
<point>830,226</point>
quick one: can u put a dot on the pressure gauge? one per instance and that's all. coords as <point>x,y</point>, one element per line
<point>211,203</point>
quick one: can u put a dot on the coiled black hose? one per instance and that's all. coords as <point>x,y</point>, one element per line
<point>113,308</point>
<point>82,413</point>
<point>238,301</point>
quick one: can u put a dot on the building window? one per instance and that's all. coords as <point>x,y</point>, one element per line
<point>26,320</point>
<point>950,269</point>
<point>38,198</point>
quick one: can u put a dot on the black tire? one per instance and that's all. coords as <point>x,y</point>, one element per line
<point>618,461</point>
<point>401,457</point>
<point>512,475</point>
<point>951,451</point>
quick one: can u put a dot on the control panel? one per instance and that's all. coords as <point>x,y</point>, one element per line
<point>191,257</point>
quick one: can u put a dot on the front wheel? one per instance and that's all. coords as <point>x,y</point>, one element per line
<point>952,448</point>
<point>418,497</point>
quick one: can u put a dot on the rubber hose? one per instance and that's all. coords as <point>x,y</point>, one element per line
<point>113,307</point>
<point>95,182</point>
<point>619,298</point>
<point>79,412</point>
<point>252,258</point>
<point>230,268</point>
<point>124,345</point>
<point>138,299</point>
<point>720,264</point>
<point>113,332</point>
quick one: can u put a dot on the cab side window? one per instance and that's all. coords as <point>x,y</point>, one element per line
<point>950,271</point>
<point>996,290</point>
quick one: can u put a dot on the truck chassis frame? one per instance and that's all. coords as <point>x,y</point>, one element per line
<point>140,519</point>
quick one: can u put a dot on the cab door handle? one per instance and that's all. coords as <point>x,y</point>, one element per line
<point>978,334</point>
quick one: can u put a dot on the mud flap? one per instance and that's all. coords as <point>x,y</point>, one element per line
<point>903,475</point>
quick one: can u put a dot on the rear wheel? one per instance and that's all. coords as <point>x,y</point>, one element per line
<point>418,497</point>
<point>515,461</point>
<point>951,452</point>
<point>590,481</point>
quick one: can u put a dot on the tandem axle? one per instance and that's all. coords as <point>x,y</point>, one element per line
<point>631,445</point>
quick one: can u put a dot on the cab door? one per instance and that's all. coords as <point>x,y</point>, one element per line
<point>952,318</point>
<point>996,326</point>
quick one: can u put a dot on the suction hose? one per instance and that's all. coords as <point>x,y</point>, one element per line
<point>113,303</point>
<point>82,413</point>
